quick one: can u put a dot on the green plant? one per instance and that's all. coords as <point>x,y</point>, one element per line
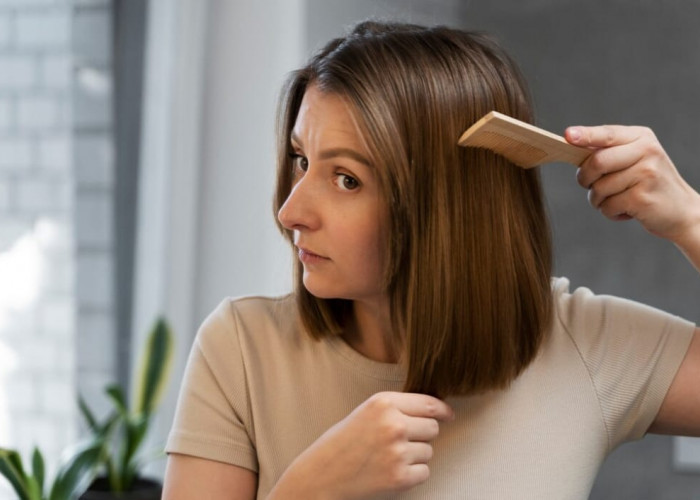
<point>115,441</point>
<point>74,475</point>
<point>122,432</point>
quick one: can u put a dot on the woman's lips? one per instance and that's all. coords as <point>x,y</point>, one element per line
<point>308,257</point>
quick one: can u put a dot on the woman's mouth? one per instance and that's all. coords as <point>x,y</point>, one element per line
<point>308,257</point>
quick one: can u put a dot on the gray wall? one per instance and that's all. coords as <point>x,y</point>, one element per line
<point>593,62</point>
<point>626,62</point>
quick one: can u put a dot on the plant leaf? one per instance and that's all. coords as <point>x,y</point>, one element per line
<point>116,394</point>
<point>16,460</point>
<point>156,361</point>
<point>78,470</point>
<point>34,489</point>
<point>9,459</point>
<point>115,479</point>
<point>106,428</point>
<point>87,414</point>
<point>130,475</point>
<point>38,469</point>
<point>135,429</point>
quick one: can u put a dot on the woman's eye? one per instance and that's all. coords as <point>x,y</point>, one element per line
<point>347,182</point>
<point>299,162</point>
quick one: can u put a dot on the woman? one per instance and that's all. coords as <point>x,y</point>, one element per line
<point>425,351</point>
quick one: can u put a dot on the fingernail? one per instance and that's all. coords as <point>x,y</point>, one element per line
<point>574,134</point>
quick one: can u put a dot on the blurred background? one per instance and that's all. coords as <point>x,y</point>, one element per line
<point>136,173</point>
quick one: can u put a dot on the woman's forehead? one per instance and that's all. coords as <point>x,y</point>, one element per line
<point>326,114</point>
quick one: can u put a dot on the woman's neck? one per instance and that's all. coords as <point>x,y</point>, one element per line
<point>371,333</point>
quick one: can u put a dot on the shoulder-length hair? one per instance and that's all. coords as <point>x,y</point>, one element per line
<point>469,247</point>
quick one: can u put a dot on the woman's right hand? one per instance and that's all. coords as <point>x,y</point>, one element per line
<point>382,447</point>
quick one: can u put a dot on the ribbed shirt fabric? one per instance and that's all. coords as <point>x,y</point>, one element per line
<point>258,391</point>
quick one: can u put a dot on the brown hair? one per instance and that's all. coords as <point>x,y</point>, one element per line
<point>469,250</point>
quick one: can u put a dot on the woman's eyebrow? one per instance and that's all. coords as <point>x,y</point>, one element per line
<point>294,139</point>
<point>327,154</point>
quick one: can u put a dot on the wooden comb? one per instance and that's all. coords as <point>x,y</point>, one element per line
<point>523,144</point>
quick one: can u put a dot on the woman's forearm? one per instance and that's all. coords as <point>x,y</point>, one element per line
<point>689,242</point>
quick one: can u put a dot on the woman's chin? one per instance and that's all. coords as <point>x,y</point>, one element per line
<point>321,292</point>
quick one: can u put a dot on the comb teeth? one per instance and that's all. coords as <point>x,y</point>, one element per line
<point>523,144</point>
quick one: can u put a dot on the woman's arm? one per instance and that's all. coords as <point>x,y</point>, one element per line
<point>690,245</point>
<point>189,478</point>
<point>629,175</point>
<point>382,447</point>
<point>680,411</point>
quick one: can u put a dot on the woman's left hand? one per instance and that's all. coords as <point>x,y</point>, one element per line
<point>629,175</point>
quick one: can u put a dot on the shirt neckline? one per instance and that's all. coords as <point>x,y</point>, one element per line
<point>392,372</point>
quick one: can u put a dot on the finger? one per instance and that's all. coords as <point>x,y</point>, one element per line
<point>414,475</point>
<point>611,185</point>
<point>618,207</point>
<point>418,453</point>
<point>606,161</point>
<point>422,405</point>
<point>602,136</point>
<point>422,429</point>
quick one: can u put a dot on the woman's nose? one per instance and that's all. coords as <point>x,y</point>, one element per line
<point>299,210</point>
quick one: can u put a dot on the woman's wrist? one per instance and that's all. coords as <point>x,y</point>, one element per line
<point>295,483</point>
<point>688,241</point>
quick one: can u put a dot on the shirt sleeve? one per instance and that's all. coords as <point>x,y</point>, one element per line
<point>632,353</point>
<point>213,418</point>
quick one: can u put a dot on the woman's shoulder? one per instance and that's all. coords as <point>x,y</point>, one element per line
<point>631,352</point>
<point>581,308</point>
<point>581,299</point>
<point>575,306</point>
<point>250,317</point>
<point>261,308</point>
<point>581,312</point>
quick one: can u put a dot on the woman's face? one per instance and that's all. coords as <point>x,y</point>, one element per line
<point>334,208</point>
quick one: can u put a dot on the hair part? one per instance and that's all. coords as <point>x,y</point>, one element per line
<point>469,247</point>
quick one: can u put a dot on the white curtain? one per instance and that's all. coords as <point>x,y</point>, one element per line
<point>204,224</point>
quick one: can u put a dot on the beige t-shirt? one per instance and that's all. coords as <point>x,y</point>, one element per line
<point>258,391</point>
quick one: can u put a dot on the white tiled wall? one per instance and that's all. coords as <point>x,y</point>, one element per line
<point>46,28</point>
<point>56,313</point>
<point>93,162</point>
<point>17,71</point>
<point>15,152</point>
